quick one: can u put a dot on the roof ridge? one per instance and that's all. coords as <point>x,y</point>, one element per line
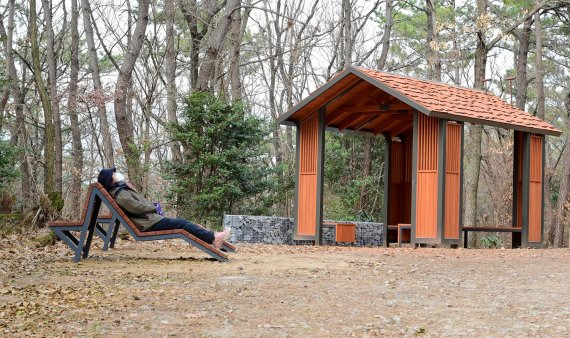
<point>429,81</point>
<point>439,83</point>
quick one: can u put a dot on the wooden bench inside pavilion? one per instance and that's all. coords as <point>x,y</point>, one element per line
<point>422,123</point>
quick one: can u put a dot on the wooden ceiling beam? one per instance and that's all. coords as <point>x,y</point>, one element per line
<point>349,120</point>
<point>380,120</point>
<point>390,125</point>
<point>374,108</point>
<point>334,114</point>
<point>399,129</point>
<point>346,94</point>
<point>367,121</point>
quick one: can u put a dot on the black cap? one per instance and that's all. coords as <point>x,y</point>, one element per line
<point>106,177</point>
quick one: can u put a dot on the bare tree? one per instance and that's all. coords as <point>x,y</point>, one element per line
<point>170,65</point>
<point>521,61</point>
<point>434,62</point>
<point>19,135</point>
<point>381,63</point>
<point>347,31</point>
<point>214,43</point>
<point>51,59</point>
<point>540,107</point>
<point>77,148</point>
<point>49,143</point>
<point>239,25</point>
<point>99,93</point>
<point>124,120</point>
<point>559,223</point>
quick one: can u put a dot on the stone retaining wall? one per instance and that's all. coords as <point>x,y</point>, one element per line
<point>279,230</point>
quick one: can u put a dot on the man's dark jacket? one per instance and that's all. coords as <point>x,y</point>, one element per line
<point>140,211</point>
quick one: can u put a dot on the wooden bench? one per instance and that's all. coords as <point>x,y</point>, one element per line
<point>342,232</point>
<point>466,230</point>
<point>91,224</point>
<point>401,228</point>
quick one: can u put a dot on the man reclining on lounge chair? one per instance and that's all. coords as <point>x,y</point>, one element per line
<point>144,214</point>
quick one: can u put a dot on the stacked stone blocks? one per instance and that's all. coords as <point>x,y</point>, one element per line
<point>279,230</point>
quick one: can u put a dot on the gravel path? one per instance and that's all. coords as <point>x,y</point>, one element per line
<point>168,288</point>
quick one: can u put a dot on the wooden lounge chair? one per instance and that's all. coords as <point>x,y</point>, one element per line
<point>91,224</point>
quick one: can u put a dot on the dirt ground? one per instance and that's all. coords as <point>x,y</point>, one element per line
<point>171,289</point>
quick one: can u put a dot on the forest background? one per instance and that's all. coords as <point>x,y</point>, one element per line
<point>183,95</point>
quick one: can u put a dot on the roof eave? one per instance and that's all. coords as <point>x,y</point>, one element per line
<point>284,118</point>
<point>496,124</point>
<point>351,70</point>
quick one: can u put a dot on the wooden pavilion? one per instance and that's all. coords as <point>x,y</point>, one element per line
<point>422,123</point>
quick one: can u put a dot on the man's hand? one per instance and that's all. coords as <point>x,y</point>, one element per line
<point>158,208</point>
<point>131,186</point>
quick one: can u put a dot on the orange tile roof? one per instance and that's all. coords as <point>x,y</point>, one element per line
<point>462,103</point>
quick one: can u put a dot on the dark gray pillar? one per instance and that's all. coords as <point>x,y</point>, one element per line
<point>297,174</point>
<point>387,144</point>
<point>320,182</point>
<point>414,177</point>
<point>525,186</point>
<point>441,147</point>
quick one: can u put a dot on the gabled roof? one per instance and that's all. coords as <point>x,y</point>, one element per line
<point>429,97</point>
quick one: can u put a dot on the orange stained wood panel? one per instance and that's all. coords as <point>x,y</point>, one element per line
<point>535,190</point>
<point>427,182</point>
<point>345,233</point>
<point>452,180</point>
<point>307,194</point>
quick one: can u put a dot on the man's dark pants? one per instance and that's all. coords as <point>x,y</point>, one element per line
<point>178,223</point>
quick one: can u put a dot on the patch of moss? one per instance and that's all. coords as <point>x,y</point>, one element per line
<point>10,224</point>
<point>44,240</point>
<point>56,199</point>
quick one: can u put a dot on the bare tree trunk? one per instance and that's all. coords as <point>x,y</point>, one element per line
<point>170,64</point>
<point>347,32</point>
<point>538,66</point>
<point>5,93</point>
<point>562,205</point>
<point>77,171</point>
<point>49,144</point>
<point>124,120</point>
<point>434,62</point>
<point>54,96</point>
<point>239,26</point>
<point>214,44</point>
<point>521,63</point>
<point>540,108</point>
<point>190,11</point>
<point>476,131</point>
<point>19,136</point>
<point>7,37</point>
<point>381,63</point>
<point>97,86</point>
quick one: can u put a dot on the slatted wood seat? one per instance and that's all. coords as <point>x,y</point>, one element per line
<point>97,195</point>
<point>466,230</point>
